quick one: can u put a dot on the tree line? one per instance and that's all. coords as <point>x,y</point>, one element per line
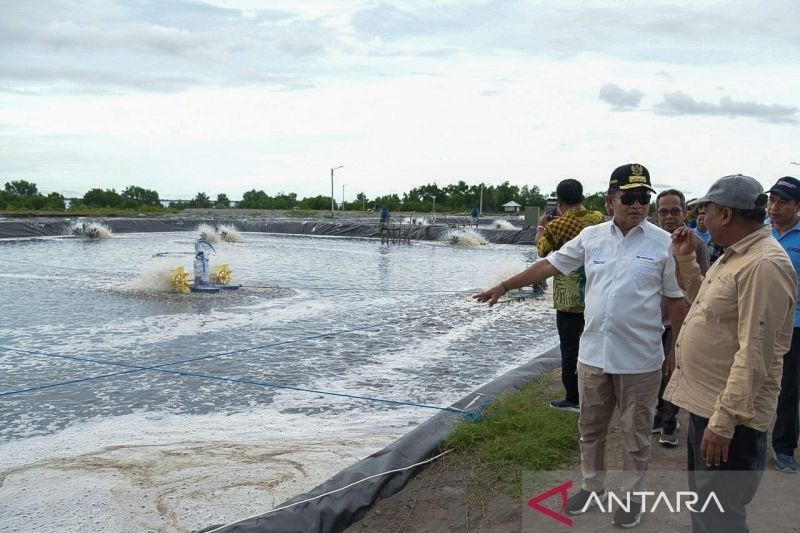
<point>458,197</point>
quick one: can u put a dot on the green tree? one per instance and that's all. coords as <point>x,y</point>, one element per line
<point>21,189</point>
<point>254,199</point>
<point>200,201</point>
<point>596,202</point>
<point>134,196</point>
<point>222,201</point>
<point>320,203</point>
<point>55,202</point>
<point>456,196</point>
<point>390,202</point>
<point>531,196</point>
<point>101,198</point>
<point>361,202</point>
<point>284,201</point>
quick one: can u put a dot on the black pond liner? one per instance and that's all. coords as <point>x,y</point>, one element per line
<point>22,228</point>
<point>335,512</point>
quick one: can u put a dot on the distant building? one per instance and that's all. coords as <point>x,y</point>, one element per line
<point>511,207</point>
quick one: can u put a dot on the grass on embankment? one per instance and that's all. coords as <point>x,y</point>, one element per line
<point>520,432</point>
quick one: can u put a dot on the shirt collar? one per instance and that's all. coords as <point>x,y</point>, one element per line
<point>796,227</point>
<point>575,211</point>
<point>743,244</point>
<point>641,226</point>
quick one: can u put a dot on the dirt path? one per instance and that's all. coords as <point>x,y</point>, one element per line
<point>446,498</point>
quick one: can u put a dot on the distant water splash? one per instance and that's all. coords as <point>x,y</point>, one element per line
<point>91,230</point>
<point>229,234</point>
<point>502,224</point>
<point>415,221</point>
<point>465,237</point>
<point>208,233</point>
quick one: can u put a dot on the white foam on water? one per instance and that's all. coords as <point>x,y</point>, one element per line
<point>465,237</point>
<point>229,233</point>
<point>503,224</point>
<point>208,233</point>
<point>152,471</point>
<point>156,278</point>
<point>92,230</point>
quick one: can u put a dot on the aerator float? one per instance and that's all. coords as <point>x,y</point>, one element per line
<point>205,280</point>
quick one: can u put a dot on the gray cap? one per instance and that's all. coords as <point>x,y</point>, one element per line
<point>739,192</point>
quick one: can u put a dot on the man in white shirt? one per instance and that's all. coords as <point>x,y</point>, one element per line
<point>629,268</point>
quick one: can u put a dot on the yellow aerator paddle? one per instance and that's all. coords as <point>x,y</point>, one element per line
<point>179,279</point>
<point>222,275</point>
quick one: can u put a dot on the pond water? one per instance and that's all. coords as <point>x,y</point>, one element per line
<point>89,438</point>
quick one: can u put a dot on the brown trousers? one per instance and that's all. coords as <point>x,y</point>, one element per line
<point>636,395</point>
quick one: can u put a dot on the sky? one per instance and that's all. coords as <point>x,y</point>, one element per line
<point>225,96</point>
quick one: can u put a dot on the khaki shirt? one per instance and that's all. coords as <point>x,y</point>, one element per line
<point>729,354</point>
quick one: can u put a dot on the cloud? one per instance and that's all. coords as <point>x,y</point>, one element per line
<point>679,103</point>
<point>99,80</point>
<point>621,99</point>
<point>385,21</point>
<point>674,32</point>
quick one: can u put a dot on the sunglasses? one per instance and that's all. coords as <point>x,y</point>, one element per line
<point>629,198</point>
<point>674,211</point>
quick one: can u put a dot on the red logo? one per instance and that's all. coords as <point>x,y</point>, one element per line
<point>557,516</point>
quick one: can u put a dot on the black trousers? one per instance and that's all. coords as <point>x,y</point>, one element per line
<point>787,423</point>
<point>666,412</point>
<point>570,329</point>
<point>734,482</point>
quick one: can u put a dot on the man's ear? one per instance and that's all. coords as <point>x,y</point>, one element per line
<point>726,215</point>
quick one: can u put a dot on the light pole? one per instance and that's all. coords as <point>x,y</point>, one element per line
<point>480,208</point>
<point>434,209</point>
<point>333,215</point>
<point>343,196</point>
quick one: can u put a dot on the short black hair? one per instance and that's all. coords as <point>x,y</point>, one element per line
<point>672,192</point>
<point>570,192</point>
<point>750,215</point>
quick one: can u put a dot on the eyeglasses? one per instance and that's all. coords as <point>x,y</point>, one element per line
<point>629,198</point>
<point>674,211</point>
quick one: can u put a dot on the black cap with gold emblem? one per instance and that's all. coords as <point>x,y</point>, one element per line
<point>630,176</point>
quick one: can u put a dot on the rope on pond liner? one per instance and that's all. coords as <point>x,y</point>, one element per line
<point>161,368</point>
<point>340,489</point>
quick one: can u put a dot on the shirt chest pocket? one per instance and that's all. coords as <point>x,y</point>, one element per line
<point>720,300</point>
<point>645,272</point>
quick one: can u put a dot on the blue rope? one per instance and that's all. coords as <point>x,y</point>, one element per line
<point>161,368</point>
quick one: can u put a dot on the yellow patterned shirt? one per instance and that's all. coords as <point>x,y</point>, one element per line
<point>567,290</point>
